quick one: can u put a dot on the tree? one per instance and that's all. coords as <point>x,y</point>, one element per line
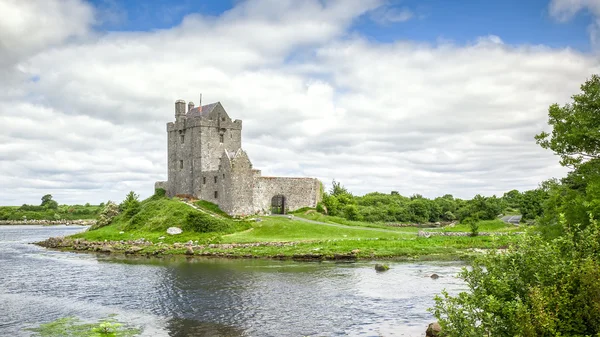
<point>131,205</point>
<point>48,203</point>
<point>575,137</point>
<point>512,198</point>
<point>337,189</point>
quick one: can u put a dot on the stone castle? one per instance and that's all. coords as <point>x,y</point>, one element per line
<point>206,161</point>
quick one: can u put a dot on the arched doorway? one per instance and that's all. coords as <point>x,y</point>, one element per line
<point>278,204</point>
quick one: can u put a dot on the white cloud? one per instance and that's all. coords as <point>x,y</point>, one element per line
<point>387,14</point>
<point>564,10</point>
<point>429,119</point>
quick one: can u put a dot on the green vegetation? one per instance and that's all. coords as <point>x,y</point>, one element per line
<point>49,209</point>
<point>74,327</point>
<point>281,237</point>
<point>149,219</point>
<point>394,208</point>
<point>548,282</point>
<point>537,288</point>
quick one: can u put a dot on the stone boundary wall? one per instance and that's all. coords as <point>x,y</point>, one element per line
<point>298,192</point>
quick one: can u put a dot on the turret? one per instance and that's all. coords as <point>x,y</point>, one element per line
<point>179,108</point>
<point>190,106</point>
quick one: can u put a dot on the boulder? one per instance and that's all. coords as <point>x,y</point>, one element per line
<point>381,267</point>
<point>433,330</point>
<point>189,251</point>
<point>174,230</point>
<point>424,234</point>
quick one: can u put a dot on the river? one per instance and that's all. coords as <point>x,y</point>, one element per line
<point>213,297</point>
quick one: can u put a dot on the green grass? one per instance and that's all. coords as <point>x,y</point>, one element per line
<point>343,221</point>
<point>435,248</point>
<point>356,239</point>
<point>278,229</point>
<point>493,226</point>
<point>156,215</point>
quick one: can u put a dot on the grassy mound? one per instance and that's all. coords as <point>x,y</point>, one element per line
<point>156,214</point>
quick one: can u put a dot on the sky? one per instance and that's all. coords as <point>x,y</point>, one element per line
<point>418,96</point>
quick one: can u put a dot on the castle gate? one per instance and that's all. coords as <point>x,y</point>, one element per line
<point>278,204</point>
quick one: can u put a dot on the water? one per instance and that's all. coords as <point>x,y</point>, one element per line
<point>213,297</point>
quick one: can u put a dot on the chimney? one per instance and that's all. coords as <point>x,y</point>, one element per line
<point>190,106</point>
<point>200,103</point>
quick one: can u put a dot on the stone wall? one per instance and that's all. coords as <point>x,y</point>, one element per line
<point>298,192</point>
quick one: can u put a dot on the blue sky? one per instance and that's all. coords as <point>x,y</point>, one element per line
<point>516,22</point>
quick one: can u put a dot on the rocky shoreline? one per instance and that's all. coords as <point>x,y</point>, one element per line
<point>147,248</point>
<point>88,222</point>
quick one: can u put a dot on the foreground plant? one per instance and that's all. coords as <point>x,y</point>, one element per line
<point>536,288</point>
<point>73,327</point>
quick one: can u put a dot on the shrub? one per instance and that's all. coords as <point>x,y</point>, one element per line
<point>536,288</point>
<point>320,208</point>
<point>160,192</point>
<point>108,213</point>
<point>131,205</point>
<point>204,223</point>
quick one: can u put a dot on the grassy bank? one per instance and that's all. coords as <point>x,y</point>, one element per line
<point>207,232</point>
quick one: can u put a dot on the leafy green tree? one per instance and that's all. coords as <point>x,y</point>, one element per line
<point>48,203</point>
<point>337,189</point>
<point>575,137</point>
<point>351,212</point>
<point>419,210</point>
<point>512,199</point>
<point>531,203</point>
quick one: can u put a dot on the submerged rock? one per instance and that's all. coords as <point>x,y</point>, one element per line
<point>381,267</point>
<point>435,276</point>
<point>174,230</point>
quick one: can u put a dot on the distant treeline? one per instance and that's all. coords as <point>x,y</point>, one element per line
<point>49,209</point>
<point>393,207</point>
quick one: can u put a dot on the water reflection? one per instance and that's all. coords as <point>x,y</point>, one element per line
<point>214,297</point>
<point>178,327</point>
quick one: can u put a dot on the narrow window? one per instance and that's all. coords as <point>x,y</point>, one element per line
<point>181,164</point>
<point>222,119</point>
<point>182,139</point>
<point>216,195</point>
<point>204,180</point>
<point>221,138</point>
<point>223,175</point>
<point>215,179</point>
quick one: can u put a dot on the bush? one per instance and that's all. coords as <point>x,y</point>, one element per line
<point>320,208</point>
<point>536,288</point>
<point>204,223</point>
<point>160,192</point>
<point>131,205</point>
<point>108,213</point>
